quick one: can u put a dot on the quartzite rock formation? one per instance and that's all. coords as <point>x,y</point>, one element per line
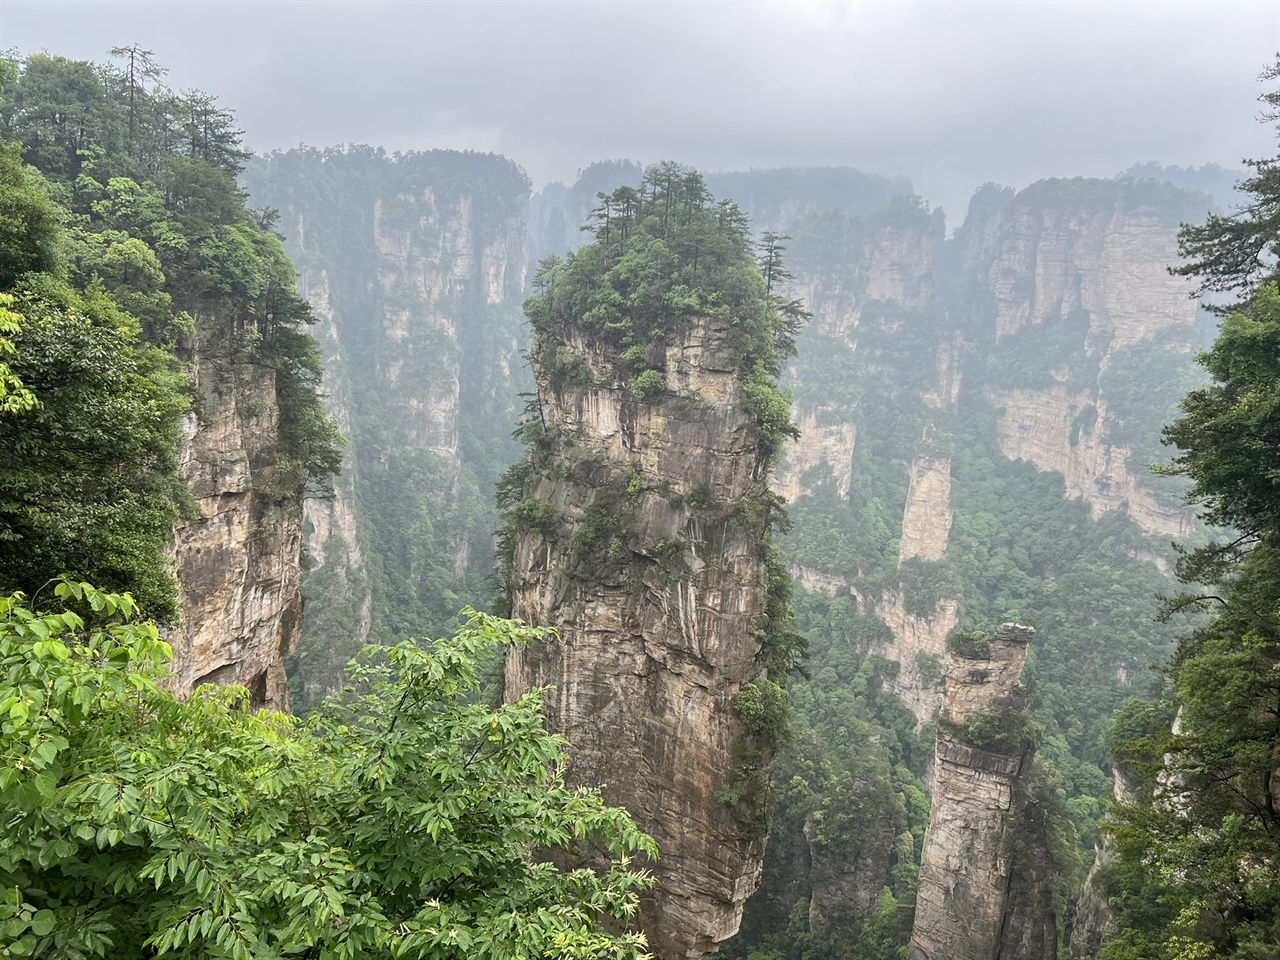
<point>239,562</point>
<point>654,575</point>
<point>984,872</point>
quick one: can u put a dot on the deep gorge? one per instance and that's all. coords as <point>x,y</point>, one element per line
<point>973,447</point>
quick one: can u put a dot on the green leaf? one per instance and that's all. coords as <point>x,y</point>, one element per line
<point>43,922</point>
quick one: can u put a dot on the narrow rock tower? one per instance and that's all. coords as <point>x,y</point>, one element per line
<point>638,527</point>
<point>985,871</point>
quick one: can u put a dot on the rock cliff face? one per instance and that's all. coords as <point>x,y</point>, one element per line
<point>927,360</point>
<point>970,905</point>
<point>238,563</point>
<point>1089,258</point>
<point>1047,309</point>
<point>415,269</point>
<point>655,579</point>
<point>1059,429</point>
<point>876,326</point>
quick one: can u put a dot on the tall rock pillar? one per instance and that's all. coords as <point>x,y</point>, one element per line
<point>983,892</point>
<point>641,542</point>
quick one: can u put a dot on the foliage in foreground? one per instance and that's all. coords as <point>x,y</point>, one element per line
<point>397,821</point>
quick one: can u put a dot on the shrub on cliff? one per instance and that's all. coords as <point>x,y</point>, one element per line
<point>397,821</point>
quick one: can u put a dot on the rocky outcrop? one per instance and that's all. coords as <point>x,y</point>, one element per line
<point>983,887</point>
<point>926,521</point>
<point>238,559</point>
<point>338,572</point>
<point>819,444</point>
<point>1098,246</point>
<point>654,577</point>
<point>1078,270</point>
<point>1060,429</point>
<point>919,647</point>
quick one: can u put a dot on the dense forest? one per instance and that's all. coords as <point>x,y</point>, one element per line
<point>1026,420</point>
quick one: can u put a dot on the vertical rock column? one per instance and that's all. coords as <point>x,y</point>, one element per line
<point>642,546</point>
<point>238,560</point>
<point>984,870</point>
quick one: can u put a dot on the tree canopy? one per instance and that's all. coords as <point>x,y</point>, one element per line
<point>399,820</point>
<point>126,249</point>
<point>663,253</point>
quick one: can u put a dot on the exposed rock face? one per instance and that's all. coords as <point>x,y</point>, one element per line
<point>928,515</point>
<point>1093,254</point>
<point>657,591</point>
<point>1060,276</point>
<point>1059,429</point>
<point>970,905</point>
<point>331,525</point>
<point>919,646</point>
<point>901,264</point>
<point>1098,246</point>
<point>238,565</point>
<point>819,444</point>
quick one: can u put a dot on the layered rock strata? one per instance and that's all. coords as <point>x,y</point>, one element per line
<point>239,560</point>
<point>983,887</point>
<point>654,578</point>
<point>1092,255</point>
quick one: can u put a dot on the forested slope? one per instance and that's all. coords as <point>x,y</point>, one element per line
<point>178,426</point>
<point>976,417</point>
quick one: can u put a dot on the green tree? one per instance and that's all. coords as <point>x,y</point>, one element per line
<point>1200,867</point>
<point>28,226</point>
<point>89,483</point>
<point>90,415</point>
<point>400,820</point>
<point>146,182</point>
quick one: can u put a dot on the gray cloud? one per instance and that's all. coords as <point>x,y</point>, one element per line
<point>950,94</point>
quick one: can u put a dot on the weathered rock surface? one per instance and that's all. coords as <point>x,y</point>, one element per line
<point>238,563</point>
<point>1064,430</point>
<point>926,522</point>
<point>980,897</point>
<point>1097,252</point>
<point>819,444</point>
<point>1101,246</point>
<point>919,646</point>
<point>659,620</point>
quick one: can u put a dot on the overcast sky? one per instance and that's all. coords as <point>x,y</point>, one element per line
<point>950,94</point>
